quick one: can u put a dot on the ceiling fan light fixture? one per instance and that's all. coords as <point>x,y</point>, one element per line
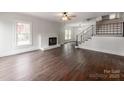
<point>64,18</point>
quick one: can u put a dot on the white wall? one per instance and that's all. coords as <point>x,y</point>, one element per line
<point>112,45</point>
<point>42,30</point>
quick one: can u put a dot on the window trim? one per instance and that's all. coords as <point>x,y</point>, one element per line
<point>31,32</point>
<point>68,32</point>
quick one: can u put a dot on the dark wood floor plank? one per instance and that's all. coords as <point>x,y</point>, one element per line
<point>65,63</point>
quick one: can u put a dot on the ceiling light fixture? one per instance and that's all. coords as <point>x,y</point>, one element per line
<point>64,18</point>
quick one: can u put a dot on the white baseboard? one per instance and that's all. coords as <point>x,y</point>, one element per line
<point>14,52</point>
<point>104,51</point>
<point>50,47</point>
<point>23,50</point>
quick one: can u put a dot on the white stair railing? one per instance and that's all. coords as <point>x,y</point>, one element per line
<point>85,35</point>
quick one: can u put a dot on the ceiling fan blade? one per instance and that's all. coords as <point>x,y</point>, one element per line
<point>72,15</point>
<point>68,15</point>
<point>65,13</point>
<point>69,18</point>
<point>62,14</point>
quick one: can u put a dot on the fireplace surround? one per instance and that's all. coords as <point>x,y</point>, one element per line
<point>52,41</point>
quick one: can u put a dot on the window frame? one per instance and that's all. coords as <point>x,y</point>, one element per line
<point>31,34</point>
<point>69,34</point>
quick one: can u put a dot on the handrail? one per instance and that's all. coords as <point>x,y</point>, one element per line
<point>84,36</point>
<point>86,28</point>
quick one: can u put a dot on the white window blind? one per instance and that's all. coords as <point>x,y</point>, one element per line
<point>23,34</point>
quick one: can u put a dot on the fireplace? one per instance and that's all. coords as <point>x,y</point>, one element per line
<point>52,41</point>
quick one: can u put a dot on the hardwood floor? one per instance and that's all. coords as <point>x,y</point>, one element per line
<point>65,64</point>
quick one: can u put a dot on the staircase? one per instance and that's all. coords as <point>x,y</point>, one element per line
<point>105,39</point>
<point>85,35</point>
<point>109,28</point>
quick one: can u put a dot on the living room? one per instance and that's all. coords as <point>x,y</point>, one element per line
<point>61,46</point>
<point>32,37</point>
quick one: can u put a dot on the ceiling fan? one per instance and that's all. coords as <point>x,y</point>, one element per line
<point>65,16</point>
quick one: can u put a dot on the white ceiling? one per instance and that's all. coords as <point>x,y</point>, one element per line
<point>53,16</point>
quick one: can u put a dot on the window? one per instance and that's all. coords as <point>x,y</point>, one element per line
<point>23,34</point>
<point>112,16</point>
<point>67,34</point>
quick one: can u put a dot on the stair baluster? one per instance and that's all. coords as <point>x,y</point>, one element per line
<point>85,35</point>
